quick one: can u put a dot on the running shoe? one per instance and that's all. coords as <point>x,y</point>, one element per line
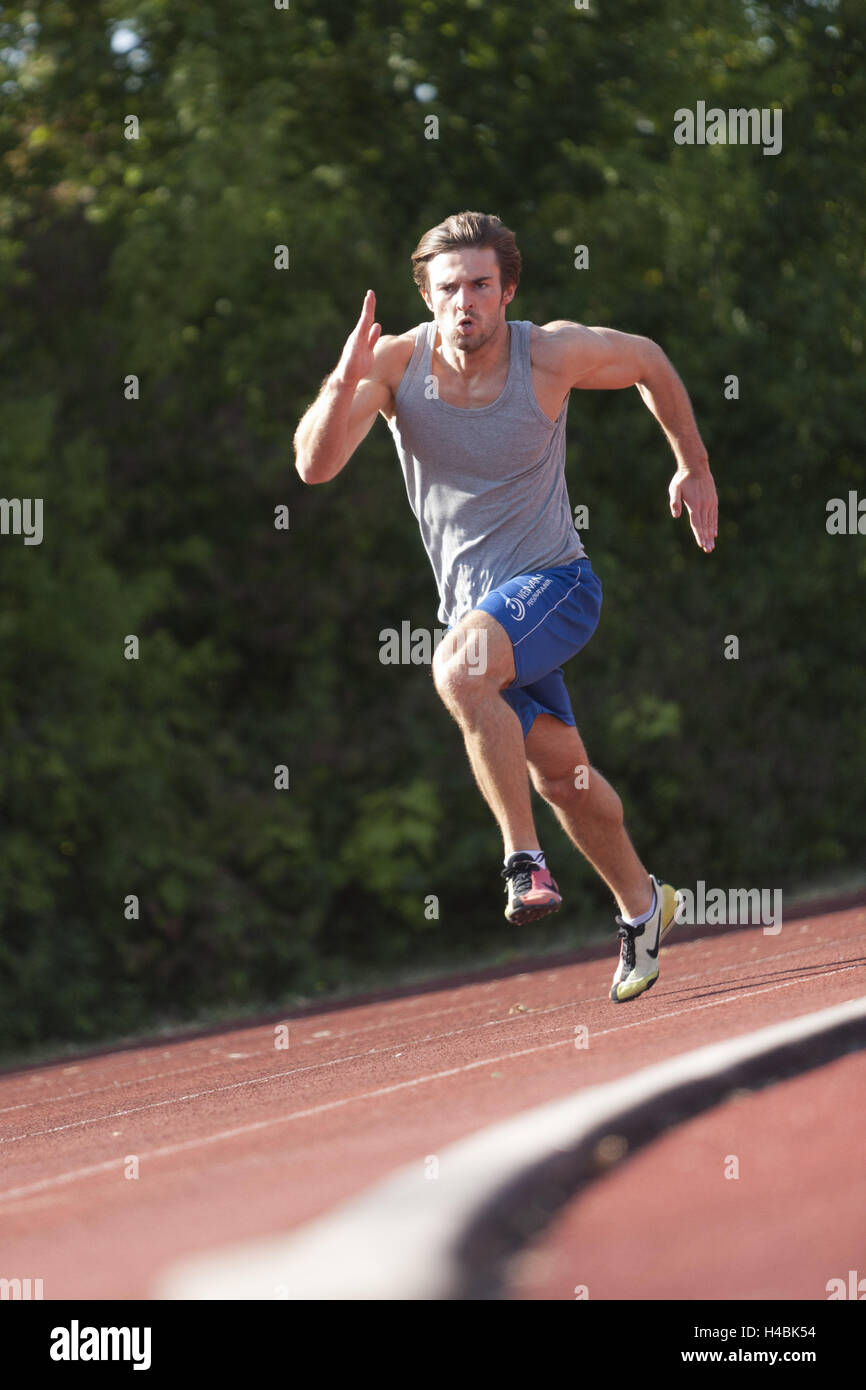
<point>638,967</point>
<point>532,892</point>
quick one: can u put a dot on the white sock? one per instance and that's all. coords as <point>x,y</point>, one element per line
<point>535,854</point>
<point>636,921</point>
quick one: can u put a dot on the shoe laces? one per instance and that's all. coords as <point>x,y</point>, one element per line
<point>521,873</point>
<point>627,935</point>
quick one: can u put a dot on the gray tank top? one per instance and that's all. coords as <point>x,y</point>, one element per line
<point>487,485</point>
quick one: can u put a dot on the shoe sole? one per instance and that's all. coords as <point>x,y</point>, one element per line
<point>636,994</point>
<point>531,914</point>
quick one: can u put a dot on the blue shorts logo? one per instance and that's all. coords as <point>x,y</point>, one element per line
<point>516,608</point>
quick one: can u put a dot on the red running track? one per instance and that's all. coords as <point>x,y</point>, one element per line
<point>234,1138</point>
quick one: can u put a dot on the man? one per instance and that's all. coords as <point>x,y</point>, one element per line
<point>477,409</point>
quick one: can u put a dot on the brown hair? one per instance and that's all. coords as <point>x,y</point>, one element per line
<point>479,229</point>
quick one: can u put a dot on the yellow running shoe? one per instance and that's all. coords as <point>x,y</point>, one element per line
<point>638,967</point>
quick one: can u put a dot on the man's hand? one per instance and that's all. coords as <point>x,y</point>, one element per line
<point>347,404</point>
<point>698,491</point>
<point>356,361</point>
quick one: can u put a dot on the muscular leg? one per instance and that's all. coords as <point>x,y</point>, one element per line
<point>491,730</point>
<point>592,816</point>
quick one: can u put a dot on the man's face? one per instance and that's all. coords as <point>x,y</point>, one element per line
<point>465,296</point>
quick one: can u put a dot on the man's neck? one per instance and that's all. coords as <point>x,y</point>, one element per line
<point>485,361</point>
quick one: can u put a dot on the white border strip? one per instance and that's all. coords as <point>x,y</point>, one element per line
<point>398,1240</point>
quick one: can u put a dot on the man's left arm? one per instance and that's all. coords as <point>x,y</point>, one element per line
<point>605,359</point>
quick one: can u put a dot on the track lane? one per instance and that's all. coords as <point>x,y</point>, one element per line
<point>236,1145</point>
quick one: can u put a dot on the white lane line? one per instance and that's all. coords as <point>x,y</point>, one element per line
<point>357,1056</point>
<point>739,963</point>
<point>384,1051</point>
<point>208,1060</point>
<point>268,1032</point>
<point>257,1125</point>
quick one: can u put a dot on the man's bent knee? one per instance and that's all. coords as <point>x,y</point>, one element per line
<point>459,687</point>
<point>572,791</point>
<point>564,790</point>
<point>460,663</point>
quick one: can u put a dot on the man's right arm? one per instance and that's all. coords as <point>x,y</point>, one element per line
<point>335,424</point>
<point>349,401</point>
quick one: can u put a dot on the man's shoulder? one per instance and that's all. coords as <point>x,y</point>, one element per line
<point>392,355</point>
<point>554,336</point>
<point>560,346</point>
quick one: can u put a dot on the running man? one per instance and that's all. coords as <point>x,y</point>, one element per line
<point>477,408</point>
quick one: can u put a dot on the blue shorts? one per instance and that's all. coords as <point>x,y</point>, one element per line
<point>549,615</point>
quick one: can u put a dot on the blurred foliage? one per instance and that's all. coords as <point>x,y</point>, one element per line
<point>304,127</point>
